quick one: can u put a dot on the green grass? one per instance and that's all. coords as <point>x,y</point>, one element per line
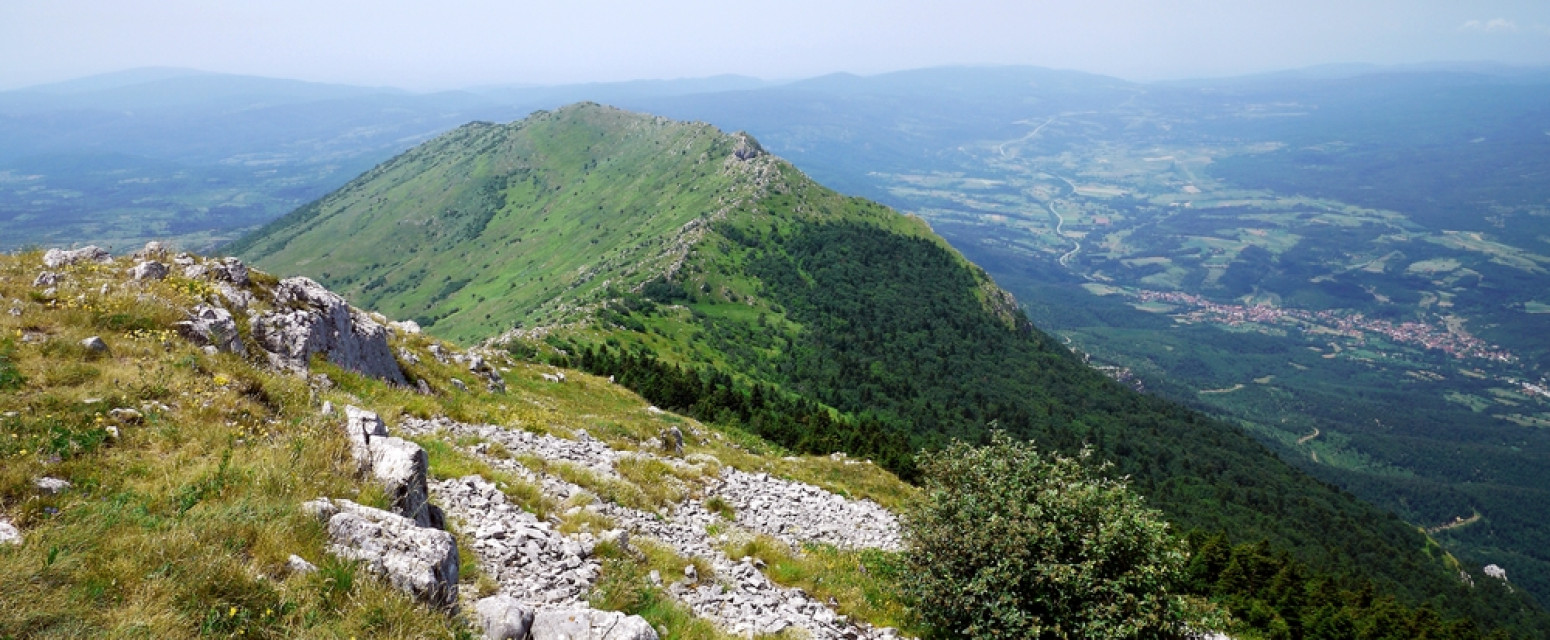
<point>181,524</point>
<point>624,586</point>
<point>867,584</point>
<point>585,215</point>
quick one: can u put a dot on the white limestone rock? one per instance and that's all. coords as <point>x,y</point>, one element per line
<point>52,486</point>
<point>9,534</point>
<point>56,258</point>
<point>299,565</point>
<point>504,618</point>
<point>417,560</point>
<point>209,326</point>
<point>590,624</point>
<point>153,251</point>
<point>312,320</point>
<point>95,344</point>
<point>149,270</point>
<point>400,465</point>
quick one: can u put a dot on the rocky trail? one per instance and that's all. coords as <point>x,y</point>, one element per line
<point>536,564</point>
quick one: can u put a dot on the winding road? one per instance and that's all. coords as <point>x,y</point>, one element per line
<point>1060,223</point>
<point>1001,148</point>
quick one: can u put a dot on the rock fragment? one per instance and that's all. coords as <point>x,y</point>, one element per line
<point>400,465</point>
<point>298,565</point>
<point>153,251</point>
<point>417,560</point>
<point>52,486</point>
<point>209,326</point>
<point>504,618</point>
<point>9,534</point>
<point>149,270</point>
<point>95,344</point>
<point>590,624</point>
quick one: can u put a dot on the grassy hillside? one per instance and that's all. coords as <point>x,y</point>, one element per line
<point>750,295</point>
<point>187,471</point>
<point>492,223</point>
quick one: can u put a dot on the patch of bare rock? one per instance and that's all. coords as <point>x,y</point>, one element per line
<point>547,572</point>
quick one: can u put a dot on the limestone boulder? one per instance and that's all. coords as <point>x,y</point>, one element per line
<point>209,326</point>
<point>313,320</point>
<point>9,534</point>
<point>55,258</point>
<point>399,465</point>
<point>149,270</point>
<point>417,560</point>
<point>503,618</point>
<point>590,624</point>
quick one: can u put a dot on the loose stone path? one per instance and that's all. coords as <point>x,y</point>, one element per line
<point>533,562</point>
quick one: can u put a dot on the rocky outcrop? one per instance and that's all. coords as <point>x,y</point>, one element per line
<point>418,560</point>
<point>211,327</point>
<point>313,320</point>
<point>228,270</point>
<point>747,148</point>
<point>479,367</point>
<point>590,624</point>
<point>153,250</point>
<point>56,258</point>
<point>1495,571</point>
<point>398,464</point>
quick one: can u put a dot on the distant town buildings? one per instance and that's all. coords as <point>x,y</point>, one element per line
<point>1356,326</point>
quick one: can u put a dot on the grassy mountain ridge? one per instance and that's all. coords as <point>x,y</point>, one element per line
<point>456,241</point>
<point>753,277</point>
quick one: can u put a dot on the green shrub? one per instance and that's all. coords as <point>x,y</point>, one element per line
<point>1011,543</point>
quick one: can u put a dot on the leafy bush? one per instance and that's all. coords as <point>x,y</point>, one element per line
<point>1014,544</point>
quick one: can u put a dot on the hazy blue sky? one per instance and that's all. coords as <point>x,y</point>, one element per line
<point>447,44</point>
